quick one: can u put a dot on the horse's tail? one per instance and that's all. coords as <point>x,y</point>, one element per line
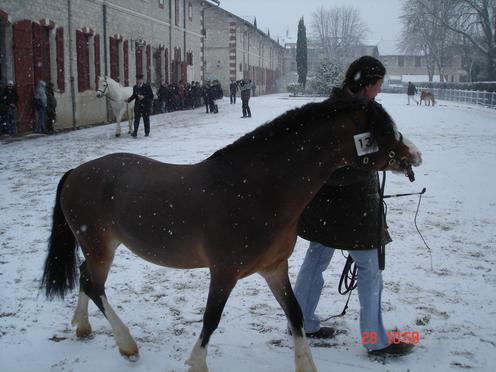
<point>60,272</point>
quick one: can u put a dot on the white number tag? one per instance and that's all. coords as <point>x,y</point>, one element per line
<point>365,144</point>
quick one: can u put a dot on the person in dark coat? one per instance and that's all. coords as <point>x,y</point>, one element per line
<point>233,88</point>
<point>143,95</point>
<point>9,100</point>
<point>344,215</point>
<point>51,113</point>
<point>162,96</point>
<point>410,92</point>
<point>245,89</point>
<point>205,95</point>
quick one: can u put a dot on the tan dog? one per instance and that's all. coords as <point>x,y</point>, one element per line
<point>427,97</point>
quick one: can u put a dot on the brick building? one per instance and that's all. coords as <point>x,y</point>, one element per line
<point>71,42</point>
<point>236,49</point>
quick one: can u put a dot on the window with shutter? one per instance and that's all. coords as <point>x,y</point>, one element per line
<point>98,72</point>
<point>83,63</point>
<point>176,9</point>
<point>114,58</point>
<point>166,65</point>
<point>22,41</point>
<point>139,60</point>
<point>149,63</point>
<point>126,62</point>
<point>59,42</point>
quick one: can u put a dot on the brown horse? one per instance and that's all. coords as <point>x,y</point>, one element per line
<point>427,97</point>
<point>236,212</point>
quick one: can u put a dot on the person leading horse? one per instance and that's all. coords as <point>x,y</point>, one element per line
<point>143,94</point>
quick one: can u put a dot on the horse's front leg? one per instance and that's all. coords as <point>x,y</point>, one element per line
<point>118,124</point>
<point>279,284</point>
<point>221,285</point>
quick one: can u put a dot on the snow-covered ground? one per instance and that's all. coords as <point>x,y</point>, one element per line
<point>452,306</point>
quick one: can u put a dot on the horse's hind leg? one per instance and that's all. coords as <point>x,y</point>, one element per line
<point>80,318</point>
<point>93,277</point>
<point>279,284</point>
<point>221,286</point>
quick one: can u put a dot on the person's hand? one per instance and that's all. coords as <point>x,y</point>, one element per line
<point>140,97</point>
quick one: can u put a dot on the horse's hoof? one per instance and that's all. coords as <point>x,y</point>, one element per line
<point>83,332</point>
<point>117,134</point>
<point>132,356</point>
<point>196,366</point>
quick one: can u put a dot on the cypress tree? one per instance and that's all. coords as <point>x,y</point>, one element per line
<point>301,54</point>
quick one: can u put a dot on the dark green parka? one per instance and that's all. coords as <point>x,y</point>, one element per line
<point>345,217</point>
<point>344,213</point>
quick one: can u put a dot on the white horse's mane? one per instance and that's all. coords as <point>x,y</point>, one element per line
<point>108,79</point>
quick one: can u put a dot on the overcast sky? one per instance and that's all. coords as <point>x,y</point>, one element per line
<point>381,16</point>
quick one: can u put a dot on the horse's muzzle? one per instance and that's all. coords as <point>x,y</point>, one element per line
<point>407,167</point>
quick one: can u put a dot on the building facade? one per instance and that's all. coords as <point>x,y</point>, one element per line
<point>402,66</point>
<point>71,42</point>
<point>235,49</point>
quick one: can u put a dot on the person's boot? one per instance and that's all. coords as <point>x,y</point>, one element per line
<point>393,350</point>
<point>322,333</point>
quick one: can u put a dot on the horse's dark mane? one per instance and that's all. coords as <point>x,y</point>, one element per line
<point>381,122</point>
<point>288,122</point>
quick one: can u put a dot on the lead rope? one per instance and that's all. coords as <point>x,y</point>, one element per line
<point>381,251</point>
<point>348,276</point>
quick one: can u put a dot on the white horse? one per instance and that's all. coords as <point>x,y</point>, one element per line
<point>118,95</point>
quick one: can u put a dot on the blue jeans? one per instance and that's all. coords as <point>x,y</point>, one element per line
<point>41,127</point>
<point>11,119</point>
<point>162,107</point>
<point>310,282</point>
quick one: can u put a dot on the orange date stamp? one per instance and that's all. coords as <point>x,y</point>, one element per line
<point>394,337</point>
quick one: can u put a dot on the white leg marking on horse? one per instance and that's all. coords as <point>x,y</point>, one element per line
<point>125,342</point>
<point>130,118</point>
<point>80,318</point>
<point>118,129</point>
<point>303,355</point>
<point>198,358</point>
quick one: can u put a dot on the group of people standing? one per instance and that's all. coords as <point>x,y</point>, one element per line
<point>183,96</point>
<point>45,106</point>
<point>172,97</point>
<point>44,102</point>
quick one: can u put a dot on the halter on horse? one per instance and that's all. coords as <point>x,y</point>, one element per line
<point>235,212</point>
<point>118,95</point>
